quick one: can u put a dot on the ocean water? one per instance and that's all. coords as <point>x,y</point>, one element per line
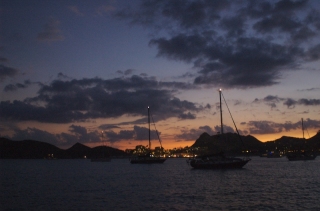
<point>263,184</point>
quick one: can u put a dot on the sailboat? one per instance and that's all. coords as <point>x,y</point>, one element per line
<point>218,161</point>
<point>101,155</point>
<point>301,155</point>
<point>148,158</point>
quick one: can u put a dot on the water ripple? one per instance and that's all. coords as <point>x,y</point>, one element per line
<point>264,184</point>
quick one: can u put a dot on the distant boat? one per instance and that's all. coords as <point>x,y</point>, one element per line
<point>274,154</point>
<point>148,158</point>
<point>301,155</point>
<point>218,161</point>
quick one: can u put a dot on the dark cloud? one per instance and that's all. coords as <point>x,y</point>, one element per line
<point>187,116</point>
<point>310,89</point>
<point>81,134</point>
<point>108,126</point>
<point>10,87</point>
<point>136,134</point>
<point>313,18</point>
<point>289,5</point>
<point>226,129</point>
<point>126,72</point>
<point>280,22</point>
<point>77,134</point>
<point>62,76</point>
<point>313,54</point>
<point>193,134</point>
<point>2,59</point>
<point>51,31</point>
<point>309,102</point>
<point>81,100</point>
<point>269,127</point>
<point>272,101</point>
<point>35,134</point>
<point>230,43</point>
<point>6,72</point>
<point>15,87</point>
<point>290,103</point>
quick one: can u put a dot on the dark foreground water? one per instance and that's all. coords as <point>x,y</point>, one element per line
<point>264,184</point>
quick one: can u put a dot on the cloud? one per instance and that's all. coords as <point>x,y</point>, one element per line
<point>136,134</point>
<point>35,134</point>
<point>233,44</point>
<point>269,127</point>
<point>309,102</point>
<point>310,89</point>
<point>75,10</point>
<point>77,134</point>
<point>80,100</point>
<point>108,126</point>
<point>187,116</point>
<point>6,72</point>
<point>193,134</point>
<point>15,87</point>
<point>313,54</point>
<point>290,103</point>
<point>272,101</point>
<point>51,31</point>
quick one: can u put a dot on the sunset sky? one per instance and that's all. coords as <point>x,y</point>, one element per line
<point>72,69</point>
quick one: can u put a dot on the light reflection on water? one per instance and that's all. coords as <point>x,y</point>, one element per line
<point>263,184</point>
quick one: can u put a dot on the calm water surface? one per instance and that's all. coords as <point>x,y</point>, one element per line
<point>264,184</point>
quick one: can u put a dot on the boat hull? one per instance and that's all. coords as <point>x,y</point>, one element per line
<point>297,158</point>
<point>147,160</point>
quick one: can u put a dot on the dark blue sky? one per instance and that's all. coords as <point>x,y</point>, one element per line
<point>71,69</point>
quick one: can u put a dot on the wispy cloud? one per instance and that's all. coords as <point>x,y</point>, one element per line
<point>75,10</point>
<point>15,87</point>
<point>51,31</point>
<point>6,72</point>
<point>269,127</point>
<point>272,101</point>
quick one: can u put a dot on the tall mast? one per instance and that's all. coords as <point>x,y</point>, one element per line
<point>149,128</point>
<point>302,128</point>
<point>221,112</point>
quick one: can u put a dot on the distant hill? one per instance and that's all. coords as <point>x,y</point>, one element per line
<point>228,142</point>
<point>30,149</point>
<point>232,143</point>
<point>293,143</point>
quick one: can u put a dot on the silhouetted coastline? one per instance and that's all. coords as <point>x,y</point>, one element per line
<point>31,149</point>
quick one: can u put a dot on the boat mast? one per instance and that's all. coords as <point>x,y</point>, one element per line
<point>149,128</point>
<point>302,128</point>
<point>221,111</point>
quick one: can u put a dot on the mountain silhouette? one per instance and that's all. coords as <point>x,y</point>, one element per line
<point>233,143</point>
<point>31,149</point>
<point>228,143</point>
